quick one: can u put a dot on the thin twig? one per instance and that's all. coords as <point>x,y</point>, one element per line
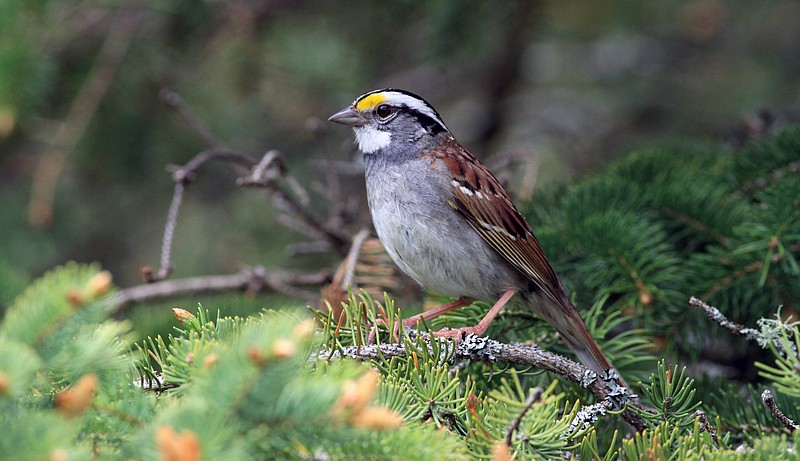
<point>510,161</point>
<point>263,174</point>
<point>188,172</point>
<point>769,401</point>
<point>350,262</point>
<point>763,338</point>
<point>183,176</point>
<point>266,173</point>
<point>705,425</point>
<point>534,396</point>
<point>269,173</point>
<point>169,233</point>
<point>48,170</point>
<point>717,317</point>
<point>174,101</point>
<point>252,280</point>
<point>306,248</point>
<point>730,278</point>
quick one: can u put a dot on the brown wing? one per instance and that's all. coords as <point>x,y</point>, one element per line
<point>480,198</point>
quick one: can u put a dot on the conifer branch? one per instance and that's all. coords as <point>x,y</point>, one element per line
<point>726,281</point>
<point>477,348</point>
<point>771,177</point>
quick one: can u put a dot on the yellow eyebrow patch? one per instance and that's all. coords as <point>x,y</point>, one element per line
<point>370,101</point>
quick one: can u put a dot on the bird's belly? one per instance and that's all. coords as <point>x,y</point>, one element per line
<point>436,247</point>
<point>431,259</point>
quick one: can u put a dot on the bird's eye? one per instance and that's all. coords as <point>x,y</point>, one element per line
<point>384,111</point>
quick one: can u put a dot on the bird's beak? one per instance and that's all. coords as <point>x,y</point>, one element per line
<point>349,116</point>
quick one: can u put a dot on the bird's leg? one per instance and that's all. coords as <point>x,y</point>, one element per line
<point>481,327</point>
<point>427,315</point>
<point>437,311</point>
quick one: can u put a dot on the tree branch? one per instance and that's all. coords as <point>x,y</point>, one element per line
<point>183,176</point>
<point>251,280</point>
<point>717,317</point>
<point>478,348</point>
<point>750,334</point>
<point>176,103</point>
<point>269,173</point>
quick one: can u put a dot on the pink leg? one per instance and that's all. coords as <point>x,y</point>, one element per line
<point>481,327</point>
<point>427,315</point>
<point>437,311</point>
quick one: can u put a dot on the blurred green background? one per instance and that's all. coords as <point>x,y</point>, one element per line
<point>564,86</point>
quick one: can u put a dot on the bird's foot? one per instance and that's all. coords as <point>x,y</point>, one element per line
<point>460,333</point>
<point>373,332</point>
<point>483,325</point>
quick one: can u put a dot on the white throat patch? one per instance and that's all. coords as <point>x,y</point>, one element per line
<point>370,139</point>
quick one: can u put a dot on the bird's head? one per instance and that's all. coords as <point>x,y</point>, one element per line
<point>382,117</point>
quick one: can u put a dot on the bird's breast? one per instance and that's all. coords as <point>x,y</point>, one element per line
<point>426,238</point>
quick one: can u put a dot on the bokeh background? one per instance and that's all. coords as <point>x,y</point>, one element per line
<point>560,87</point>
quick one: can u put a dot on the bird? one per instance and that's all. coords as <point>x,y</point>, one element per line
<point>447,222</point>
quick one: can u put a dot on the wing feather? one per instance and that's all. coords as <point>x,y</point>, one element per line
<point>480,198</point>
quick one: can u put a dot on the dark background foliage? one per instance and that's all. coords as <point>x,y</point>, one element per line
<point>560,87</point>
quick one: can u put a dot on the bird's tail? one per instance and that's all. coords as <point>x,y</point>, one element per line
<point>569,324</point>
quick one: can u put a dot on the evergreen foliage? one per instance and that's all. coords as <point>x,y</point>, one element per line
<point>664,224</point>
<point>633,243</point>
<point>71,388</point>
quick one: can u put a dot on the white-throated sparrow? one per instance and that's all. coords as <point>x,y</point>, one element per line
<point>447,222</point>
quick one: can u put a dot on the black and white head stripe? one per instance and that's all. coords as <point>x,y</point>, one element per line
<point>401,99</point>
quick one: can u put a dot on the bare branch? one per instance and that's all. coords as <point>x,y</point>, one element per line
<point>513,161</point>
<point>188,172</point>
<point>182,177</point>
<point>251,280</point>
<point>716,316</point>
<point>344,276</point>
<point>769,401</point>
<point>169,233</point>
<point>306,248</point>
<point>269,173</point>
<point>266,174</point>
<point>174,101</point>
<point>763,337</point>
